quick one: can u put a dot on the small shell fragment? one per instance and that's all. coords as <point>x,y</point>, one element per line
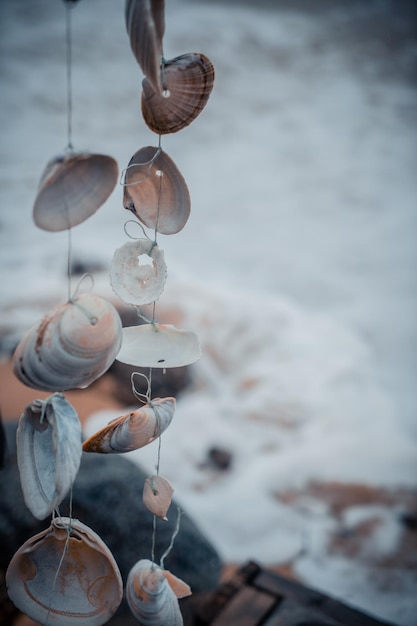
<point>133,430</point>
<point>157,495</point>
<point>48,452</point>
<point>158,345</point>
<point>65,575</point>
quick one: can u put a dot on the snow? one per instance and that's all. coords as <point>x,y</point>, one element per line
<point>296,267</point>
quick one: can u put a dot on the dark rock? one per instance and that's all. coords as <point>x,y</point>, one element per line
<point>107,496</point>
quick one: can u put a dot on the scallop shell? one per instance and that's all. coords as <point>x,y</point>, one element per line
<point>152,594</point>
<point>65,575</point>
<point>156,192</point>
<point>133,430</point>
<point>157,495</point>
<point>134,281</point>
<point>187,83</point>
<point>48,452</point>
<point>74,344</point>
<point>158,345</point>
<point>73,187</point>
<point>145,25</point>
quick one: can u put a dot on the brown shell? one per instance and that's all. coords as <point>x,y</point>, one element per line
<point>145,25</point>
<point>187,82</point>
<point>73,187</point>
<point>156,192</point>
<point>157,495</point>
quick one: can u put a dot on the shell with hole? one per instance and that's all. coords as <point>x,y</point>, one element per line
<point>145,25</point>
<point>48,452</point>
<point>65,575</point>
<point>158,345</point>
<point>132,277</point>
<point>152,594</point>
<point>157,495</point>
<point>73,186</point>
<point>156,192</point>
<point>187,84</point>
<point>72,346</point>
<point>133,430</point>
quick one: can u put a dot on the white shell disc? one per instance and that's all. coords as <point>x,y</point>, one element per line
<point>65,576</point>
<point>158,345</point>
<point>133,280</point>
<point>48,452</point>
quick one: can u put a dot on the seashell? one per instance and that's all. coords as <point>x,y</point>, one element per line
<point>133,430</point>
<point>157,495</point>
<point>158,345</point>
<point>74,344</point>
<point>73,186</point>
<point>156,192</point>
<point>48,452</point>
<point>152,594</point>
<point>187,83</point>
<point>65,575</point>
<point>135,282</point>
<point>145,25</point>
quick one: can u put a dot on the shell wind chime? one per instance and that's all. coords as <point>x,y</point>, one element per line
<point>66,575</point>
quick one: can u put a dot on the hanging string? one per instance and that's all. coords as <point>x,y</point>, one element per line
<point>68,37</point>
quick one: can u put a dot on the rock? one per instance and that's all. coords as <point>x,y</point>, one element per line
<point>107,496</point>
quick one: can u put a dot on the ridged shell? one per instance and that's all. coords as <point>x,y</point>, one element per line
<point>74,344</point>
<point>133,430</point>
<point>152,594</point>
<point>65,575</point>
<point>134,280</point>
<point>157,495</point>
<point>156,192</point>
<point>145,25</point>
<point>48,452</point>
<point>158,345</point>
<point>187,84</point>
<point>73,187</point>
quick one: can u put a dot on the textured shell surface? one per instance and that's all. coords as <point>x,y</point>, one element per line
<point>74,344</point>
<point>156,192</point>
<point>150,596</point>
<point>145,25</point>
<point>133,279</point>
<point>188,83</point>
<point>72,188</point>
<point>133,430</point>
<point>65,575</point>
<point>48,452</point>
<point>157,495</point>
<point>158,345</point>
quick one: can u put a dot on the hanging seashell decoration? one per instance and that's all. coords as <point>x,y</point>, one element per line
<point>74,344</point>
<point>157,495</point>
<point>48,452</point>
<point>65,575</point>
<point>158,345</point>
<point>152,594</point>
<point>133,430</point>
<point>156,192</point>
<point>135,282</point>
<point>73,186</point>
<point>187,84</point>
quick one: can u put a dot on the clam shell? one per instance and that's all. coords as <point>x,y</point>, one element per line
<point>48,452</point>
<point>145,25</point>
<point>156,192</point>
<point>187,83</point>
<point>133,430</point>
<point>134,281</point>
<point>157,495</point>
<point>65,575</point>
<point>158,345</point>
<point>73,187</point>
<point>151,598</point>
<point>74,344</point>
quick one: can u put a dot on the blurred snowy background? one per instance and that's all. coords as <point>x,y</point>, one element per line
<point>297,267</point>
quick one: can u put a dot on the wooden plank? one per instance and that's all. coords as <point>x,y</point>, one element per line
<point>247,608</point>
